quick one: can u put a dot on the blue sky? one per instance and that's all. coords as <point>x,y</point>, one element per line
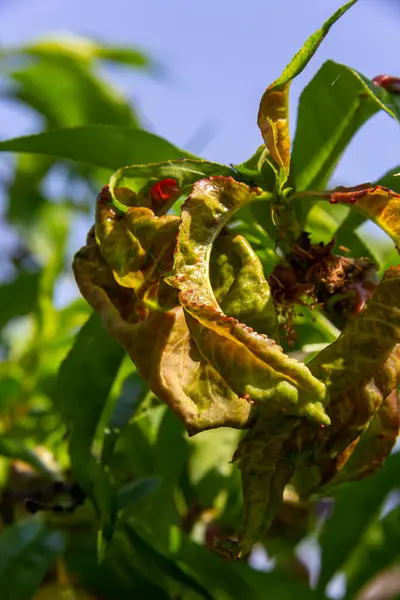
<point>220,56</point>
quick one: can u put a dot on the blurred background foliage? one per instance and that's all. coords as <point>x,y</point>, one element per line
<point>76,419</point>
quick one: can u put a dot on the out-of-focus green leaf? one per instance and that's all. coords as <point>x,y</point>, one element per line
<point>101,145</point>
<point>115,577</point>
<point>379,548</point>
<point>332,108</point>
<point>133,492</point>
<point>25,196</point>
<point>156,565</point>
<point>273,115</point>
<point>27,551</point>
<point>83,49</point>
<point>356,505</point>
<point>237,580</point>
<point>209,471</point>
<point>19,297</point>
<point>134,390</point>
<point>93,100</point>
<point>83,384</point>
<point>15,449</point>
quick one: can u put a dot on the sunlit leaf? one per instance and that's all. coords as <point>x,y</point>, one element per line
<point>373,446</point>
<point>257,368</point>
<point>334,105</point>
<point>273,116</point>
<point>107,146</point>
<point>360,369</point>
<point>94,101</point>
<point>140,180</point>
<point>83,49</point>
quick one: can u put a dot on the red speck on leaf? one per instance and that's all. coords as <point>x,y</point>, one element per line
<point>164,190</point>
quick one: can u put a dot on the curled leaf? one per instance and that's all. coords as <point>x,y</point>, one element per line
<point>361,369</point>
<point>251,363</point>
<point>119,274</point>
<point>380,204</point>
<point>273,115</point>
<point>132,186</point>
<point>368,452</point>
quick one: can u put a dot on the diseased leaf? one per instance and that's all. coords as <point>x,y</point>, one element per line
<point>368,452</point>
<point>273,116</point>
<point>334,105</point>
<point>142,180</point>
<point>380,205</point>
<point>257,369</point>
<point>145,315</point>
<point>107,146</point>
<point>360,370</point>
<point>27,551</point>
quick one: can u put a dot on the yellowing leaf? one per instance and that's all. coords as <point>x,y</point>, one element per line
<point>273,115</point>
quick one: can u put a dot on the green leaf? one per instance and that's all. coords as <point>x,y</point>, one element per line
<point>334,105</point>
<point>139,179</point>
<point>116,577</point>
<point>19,297</point>
<point>83,49</point>
<point>154,564</point>
<point>83,383</point>
<point>27,551</point>
<point>134,390</point>
<point>25,196</point>
<point>107,146</point>
<point>356,505</point>
<point>94,101</point>
<point>258,170</point>
<point>378,550</point>
<point>15,449</point>
<point>273,115</point>
<point>131,493</point>
<point>238,580</point>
